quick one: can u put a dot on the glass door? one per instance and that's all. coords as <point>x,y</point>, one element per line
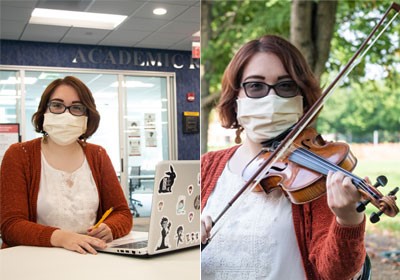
<point>148,107</point>
<point>10,96</point>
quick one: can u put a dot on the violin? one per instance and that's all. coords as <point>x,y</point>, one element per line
<point>301,174</point>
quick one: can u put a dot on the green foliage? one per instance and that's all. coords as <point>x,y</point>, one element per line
<point>236,22</point>
<point>355,20</point>
<point>369,97</point>
<point>361,108</point>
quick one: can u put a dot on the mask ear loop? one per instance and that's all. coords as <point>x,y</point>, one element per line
<point>239,130</point>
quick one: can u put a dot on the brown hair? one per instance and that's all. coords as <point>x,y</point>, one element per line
<point>85,96</point>
<point>291,58</point>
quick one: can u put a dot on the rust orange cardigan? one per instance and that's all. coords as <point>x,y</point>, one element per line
<point>328,250</point>
<point>19,188</point>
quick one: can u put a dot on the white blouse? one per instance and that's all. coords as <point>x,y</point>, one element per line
<point>67,200</point>
<point>257,239</point>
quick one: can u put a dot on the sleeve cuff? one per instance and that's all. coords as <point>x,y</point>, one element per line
<point>349,232</point>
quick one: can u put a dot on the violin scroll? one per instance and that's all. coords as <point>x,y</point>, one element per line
<point>387,205</point>
<point>381,181</point>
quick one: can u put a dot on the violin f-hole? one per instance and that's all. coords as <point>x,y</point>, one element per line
<point>279,169</point>
<point>305,144</point>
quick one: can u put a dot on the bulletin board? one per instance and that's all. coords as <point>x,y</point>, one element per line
<point>9,134</point>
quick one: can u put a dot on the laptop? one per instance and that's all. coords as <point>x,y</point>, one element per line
<point>175,212</point>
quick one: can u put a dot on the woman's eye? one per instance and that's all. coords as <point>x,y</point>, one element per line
<point>77,108</point>
<point>57,105</point>
<point>255,86</point>
<point>287,85</point>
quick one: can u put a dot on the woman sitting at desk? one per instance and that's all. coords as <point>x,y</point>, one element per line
<point>53,189</point>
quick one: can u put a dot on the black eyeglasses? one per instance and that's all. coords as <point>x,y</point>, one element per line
<point>57,107</point>
<point>283,89</point>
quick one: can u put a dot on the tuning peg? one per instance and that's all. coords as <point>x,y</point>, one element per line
<point>361,205</point>
<point>393,192</point>
<point>381,181</point>
<point>375,217</point>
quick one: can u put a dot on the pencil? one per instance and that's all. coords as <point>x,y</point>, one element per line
<point>106,214</point>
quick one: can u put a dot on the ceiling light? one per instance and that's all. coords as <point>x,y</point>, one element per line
<point>75,19</point>
<point>159,11</point>
<point>14,81</point>
<point>49,76</point>
<point>133,84</point>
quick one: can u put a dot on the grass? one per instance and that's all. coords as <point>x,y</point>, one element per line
<point>372,169</point>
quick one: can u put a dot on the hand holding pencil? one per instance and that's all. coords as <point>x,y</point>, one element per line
<point>101,230</point>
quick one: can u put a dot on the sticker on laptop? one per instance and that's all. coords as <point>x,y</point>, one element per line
<point>190,217</point>
<point>160,205</point>
<point>192,237</point>
<point>179,235</point>
<point>167,182</point>
<point>163,242</point>
<point>196,203</point>
<point>180,205</point>
<point>190,189</point>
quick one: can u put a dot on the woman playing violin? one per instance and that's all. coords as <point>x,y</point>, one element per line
<point>266,88</point>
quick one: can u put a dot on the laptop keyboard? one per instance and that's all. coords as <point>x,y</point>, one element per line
<point>134,245</point>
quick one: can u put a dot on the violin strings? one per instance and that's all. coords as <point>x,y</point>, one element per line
<point>357,181</point>
<point>330,166</point>
<point>322,162</point>
<point>326,165</point>
<point>305,154</point>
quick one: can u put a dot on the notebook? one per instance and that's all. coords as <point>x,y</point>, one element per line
<point>175,212</point>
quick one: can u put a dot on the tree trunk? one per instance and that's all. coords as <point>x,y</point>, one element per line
<point>311,30</point>
<point>205,85</point>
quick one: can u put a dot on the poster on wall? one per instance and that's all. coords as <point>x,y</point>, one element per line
<point>151,138</point>
<point>9,134</point>
<point>134,128</point>
<point>149,120</point>
<point>134,136</point>
<point>134,146</point>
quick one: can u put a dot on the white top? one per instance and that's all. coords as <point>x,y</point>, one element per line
<point>67,200</point>
<point>257,239</point>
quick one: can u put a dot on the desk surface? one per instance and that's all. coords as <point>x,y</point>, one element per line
<point>34,263</point>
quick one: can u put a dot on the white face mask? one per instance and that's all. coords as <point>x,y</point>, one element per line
<point>64,129</point>
<point>267,117</point>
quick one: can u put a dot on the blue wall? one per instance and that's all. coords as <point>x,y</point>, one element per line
<point>118,58</point>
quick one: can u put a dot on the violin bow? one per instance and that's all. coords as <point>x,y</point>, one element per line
<point>306,119</point>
